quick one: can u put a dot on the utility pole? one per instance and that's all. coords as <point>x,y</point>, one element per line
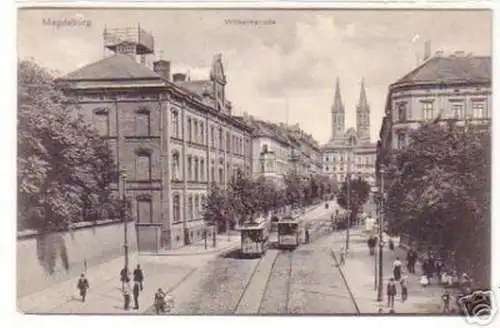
<point>348,231</point>
<point>122,188</point>
<point>380,235</point>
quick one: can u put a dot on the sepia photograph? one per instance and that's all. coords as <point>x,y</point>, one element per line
<point>254,162</point>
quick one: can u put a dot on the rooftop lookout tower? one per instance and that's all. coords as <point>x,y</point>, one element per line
<point>130,41</point>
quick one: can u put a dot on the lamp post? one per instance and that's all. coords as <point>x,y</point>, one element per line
<point>380,235</point>
<point>348,231</point>
<point>122,188</point>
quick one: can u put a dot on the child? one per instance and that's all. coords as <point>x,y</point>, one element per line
<point>83,285</point>
<point>404,289</point>
<point>424,282</point>
<point>446,301</point>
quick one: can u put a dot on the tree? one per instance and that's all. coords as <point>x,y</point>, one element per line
<point>64,167</point>
<point>294,189</point>
<point>217,208</point>
<point>440,192</point>
<point>355,192</point>
<point>244,198</point>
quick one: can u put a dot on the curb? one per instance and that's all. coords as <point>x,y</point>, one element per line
<point>220,250</point>
<point>345,281</point>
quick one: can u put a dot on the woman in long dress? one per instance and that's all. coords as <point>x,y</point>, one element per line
<point>396,269</point>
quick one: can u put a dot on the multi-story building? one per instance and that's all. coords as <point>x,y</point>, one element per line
<point>278,149</point>
<point>173,137</point>
<point>350,152</point>
<point>455,87</point>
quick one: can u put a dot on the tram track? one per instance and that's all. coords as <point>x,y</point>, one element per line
<point>344,280</point>
<point>245,289</point>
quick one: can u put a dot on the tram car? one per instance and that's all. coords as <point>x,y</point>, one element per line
<point>255,238</point>
<point>289,230</point>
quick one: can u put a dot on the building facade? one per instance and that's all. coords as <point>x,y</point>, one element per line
<point>278,149</point>
<point>350,152</point>
<point>172,136</point>
<point>444,88</point>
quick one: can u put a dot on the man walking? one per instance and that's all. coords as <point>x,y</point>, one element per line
<point>391,293</point>
<point>135,293</point>
<point>83,285</point>
<point>139,276</point>
<point>124,277</point>
<point>411,258</point>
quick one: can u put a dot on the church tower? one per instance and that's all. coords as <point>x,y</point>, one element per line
<point>363,115</point>
<point>338,114</point>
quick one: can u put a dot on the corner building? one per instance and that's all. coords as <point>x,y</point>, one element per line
<point>174,137</point>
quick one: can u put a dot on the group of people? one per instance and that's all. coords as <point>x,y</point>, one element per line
<point>135,290</point>
<point>392,290</point>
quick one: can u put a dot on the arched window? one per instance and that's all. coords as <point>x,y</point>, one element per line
<point>228,141</point>
<point>202,133</point>
<point>175,165</point>
<point>101,121</point>
<point>196,169</point>
<point>143,122</point>
<point>144,209</point>
<point>202,169</point>
<point>212,171</point>
<point>196,207</point>
<point>221,138</point>
<point>175,123</point>
<point>196,132</point>
<point>189,208</point>
<point>221,175</point>
<point>189,131</point>
<point>265,149</point>
<point>189,168</point>
<point>143,164</point>
<point>176,207</point>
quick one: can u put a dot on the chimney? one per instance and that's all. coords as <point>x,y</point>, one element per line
<point>439,53</point>
<point>427,50</point>
<point>179,77</point>
<point>459,53</point>
<point>162,68</point>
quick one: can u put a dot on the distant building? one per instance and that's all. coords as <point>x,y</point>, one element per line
<point>278,149</point>
<point>173,136</point>
<point>350,151</point>
<point>447,88</point>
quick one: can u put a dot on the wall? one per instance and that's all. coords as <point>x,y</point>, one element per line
<point>93,245</point>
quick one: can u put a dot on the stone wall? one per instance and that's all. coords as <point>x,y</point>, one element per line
<point>86,246</point>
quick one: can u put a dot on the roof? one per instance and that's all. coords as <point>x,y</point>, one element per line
<point>451,69</point>
<point>201,88</point>
<point>116,67</point>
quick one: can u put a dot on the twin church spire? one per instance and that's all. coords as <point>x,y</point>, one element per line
<point>362,114</point>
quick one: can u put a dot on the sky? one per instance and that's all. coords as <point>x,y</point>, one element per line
<point>298,57</point>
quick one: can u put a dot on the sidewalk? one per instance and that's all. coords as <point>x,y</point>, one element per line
<point>359,271</point>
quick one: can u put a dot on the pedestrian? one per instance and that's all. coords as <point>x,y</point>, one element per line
<point>126,295</point>
<point>135,292</point>
<point>396,269</point>
<point>83,285</point>
<point>411,258</point>
<point>391,293</point>
<point>424,282</point>
<point>342,256</point>
<point>371,245</point>
<point>139,276</point>
<point>307,235</point>
<point>439,268</point>
<point>430,269</point>
<point>391,244</point>
<point>124,276</point>
<point>445,297</point>
<point>404,289</point>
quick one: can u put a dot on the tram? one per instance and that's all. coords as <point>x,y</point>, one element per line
<point>255,238</point>
<point>289,230</point>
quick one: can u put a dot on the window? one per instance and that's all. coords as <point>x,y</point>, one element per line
<point>197,207</point>
<point>228,141</point>
<point>202,133</point>
<point>144,210</point>
<point>175,166</point>
<point>202,169</point>
<point>142,122</point>
<point>457,110</point>
<point>189,168</point>
<point>221,175</point>
<point>326,168</point>
<point>428,111</point>
<point>143,165</point>
<point>212,172</point>
<point>212,136</point>
<point>175,124</point>
<point>402,111</point>
<point>221,138</point>
<point>479,109</point>
<point>101,121</point>
<point>196,132</point>
<point>401,140</point>
<point>176,207</point>
<point>196,169</point>
<point>189,130</point>
<point>326,159</point>
<point>189,208</point>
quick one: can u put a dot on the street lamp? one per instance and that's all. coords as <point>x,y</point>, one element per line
<point>348,231</point>
<point>122,189</point>
<point>380,239</point>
